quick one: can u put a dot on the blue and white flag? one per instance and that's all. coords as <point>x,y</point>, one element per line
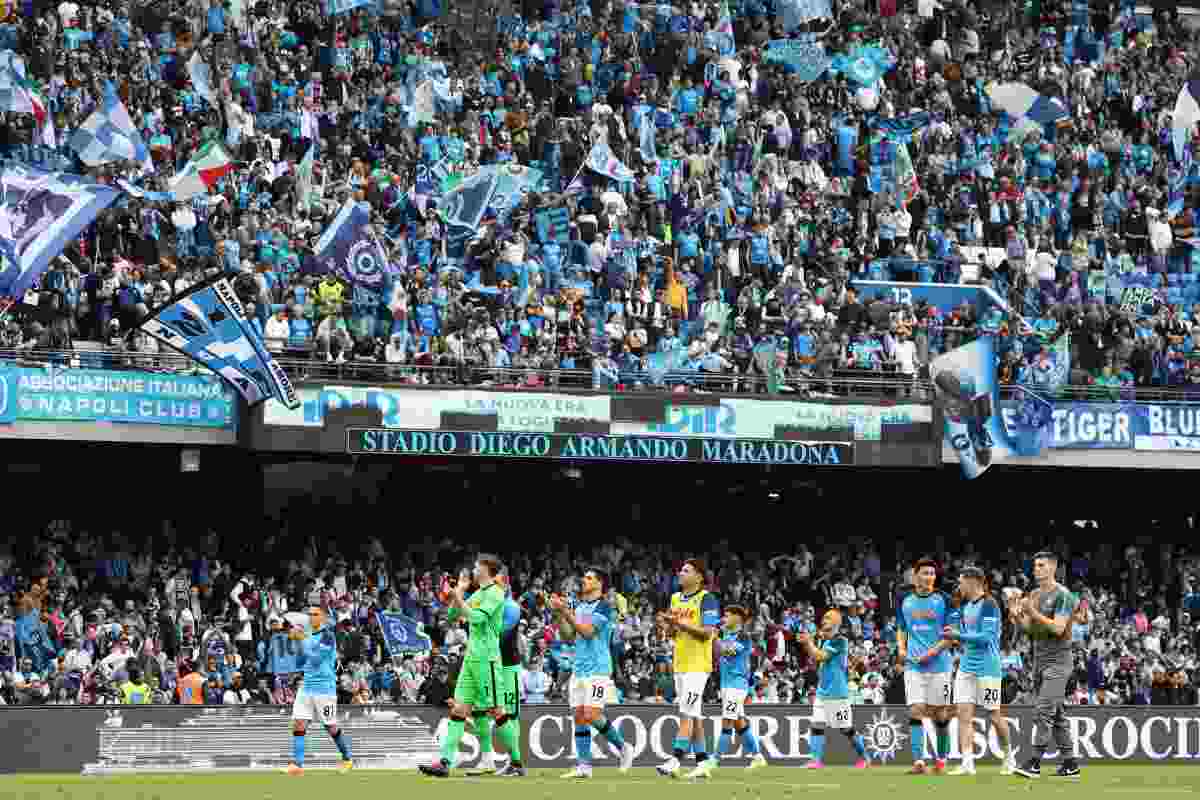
<point>1020,100</point>
<point>795,13</point>
<point>646,143</point>
<point>349,249</point>
<point>40,214</point>
<point>208,324</point>
<point>201,76</point>
<point>463,207</point>
<point>602,160</point>
<point>401,634</point>
<point>109,135</point>
<point>901,129</point>
<point>1031,423</point>
<point>863,66</point>
<point>1186,114</point>
<point>806,59</point>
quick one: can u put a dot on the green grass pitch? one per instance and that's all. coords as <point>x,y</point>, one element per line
<point>730,783</point>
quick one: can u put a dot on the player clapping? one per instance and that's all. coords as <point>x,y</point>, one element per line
<point>735,649</point>
<point>979,676</point>
<point>832,706</point>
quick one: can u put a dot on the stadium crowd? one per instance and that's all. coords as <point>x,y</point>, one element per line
<point>753,193</point>
<point>132,621</point>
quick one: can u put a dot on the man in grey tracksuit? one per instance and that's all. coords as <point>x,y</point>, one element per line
<point>1045,615</point>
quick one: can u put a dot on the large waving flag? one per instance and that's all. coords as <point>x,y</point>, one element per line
<point>201,173</point>
<point>109,135</point>
<point>863,65</point>
<point>208,324</point>
<point>463,206</point>
<point>201,76</point>
<point>907,184</point>
<point>602,160</point>
<point>349,249</point>
<point>40,214</point>
<point>1186,114</point>
<point>513,182</point>
<point>901,129</point>
<point>1021,100</point>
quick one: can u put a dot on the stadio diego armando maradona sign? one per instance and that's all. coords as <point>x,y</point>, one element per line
<point>103,739</point>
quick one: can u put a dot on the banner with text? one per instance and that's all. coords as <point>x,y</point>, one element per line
<point>145,739</point>
<point>83,395</point>
<point>1151,427</point>
<point>705,428</point>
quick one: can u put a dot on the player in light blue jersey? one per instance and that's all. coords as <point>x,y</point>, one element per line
<point>590,624</point>
<point>318,693</point>
<point>833,689</point>
<point>979,675</point>
<point>923,654</point>
<point>737,677</point>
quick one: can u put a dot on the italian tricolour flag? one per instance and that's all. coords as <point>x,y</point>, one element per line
<point>201,173</point>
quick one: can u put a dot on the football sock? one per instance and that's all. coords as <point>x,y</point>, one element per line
<point>680,747</point>
<point>510,736</point>
<point>298,748</point>
<point>610,732</point>
<point>343,745</point>
<point>483,732</point>
<point>943,738</point>
<point>725,743</point>
<point>749,740</point>
<point>916,739</point>
<point>454,734</point>
<point>817,744</point>
<point>583,746</point>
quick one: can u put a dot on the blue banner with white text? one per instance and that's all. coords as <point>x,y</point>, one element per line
<point>1148,427</point>
<point>84,395</point>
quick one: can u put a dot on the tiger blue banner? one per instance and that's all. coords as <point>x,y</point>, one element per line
<point>402,634</point>
<point>1148,427</point>
<point>333,7</point>
<point>83,395</point>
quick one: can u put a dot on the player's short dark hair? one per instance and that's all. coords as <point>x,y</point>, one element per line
<point>600,574</point>
<point>925,562</point>
<point>972,571</point>
<point>698,565</point>
<point>1046,555</point>
<point>493,564</point>
<point>741,611</point>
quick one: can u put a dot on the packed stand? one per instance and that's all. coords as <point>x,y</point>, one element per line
<point>759,188</point>
<point>125,623</point>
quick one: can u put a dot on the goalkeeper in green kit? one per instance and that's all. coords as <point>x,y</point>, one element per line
<point>478,688</point>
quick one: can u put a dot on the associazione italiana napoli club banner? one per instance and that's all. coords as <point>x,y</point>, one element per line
<point>86,395</point>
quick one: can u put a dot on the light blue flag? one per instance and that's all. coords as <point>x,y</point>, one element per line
<point>795,13</point>
<point>109,135</point>
<point>602,160</point>
<point>863,66</point>
<point>40,214</point>
<point>807,59</point>
<point>647,144</point>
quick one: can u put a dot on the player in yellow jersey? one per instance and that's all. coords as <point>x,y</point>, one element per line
<point>692,620</point>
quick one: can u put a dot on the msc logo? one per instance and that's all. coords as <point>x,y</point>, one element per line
<point>884,737</point>
<point>961,442</point>
<point>698,421</point>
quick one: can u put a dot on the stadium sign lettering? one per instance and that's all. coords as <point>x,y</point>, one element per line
<point>594,447</point>
<point>1104,733</point>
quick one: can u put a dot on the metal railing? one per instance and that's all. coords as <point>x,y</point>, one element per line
<point>306,369</point>
<point>843,383</point>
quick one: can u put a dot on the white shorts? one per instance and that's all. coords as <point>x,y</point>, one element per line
<point>733,703</point>
<point>927,688</point>
<point>593,692</point>
<point>689,692</point>
<point>833,713</point>
<point>983,692</point>
<point>322,707</point>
